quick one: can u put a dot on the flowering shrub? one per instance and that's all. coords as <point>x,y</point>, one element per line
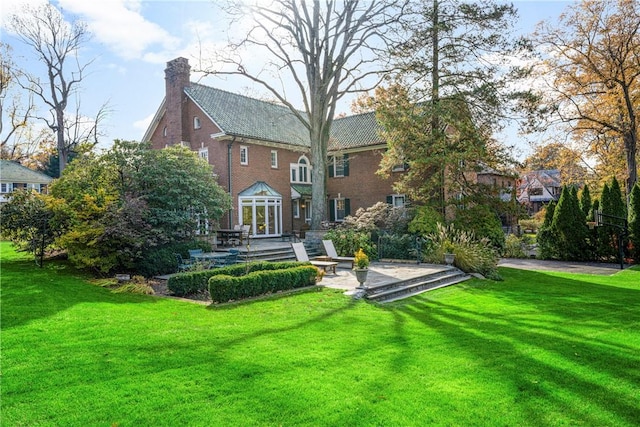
<point>361,259</point>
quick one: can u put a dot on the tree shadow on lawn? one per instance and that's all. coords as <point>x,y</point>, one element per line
<point>29,292</point>
<point>548,342</point>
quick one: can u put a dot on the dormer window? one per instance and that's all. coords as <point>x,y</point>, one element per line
<point>196,123</point>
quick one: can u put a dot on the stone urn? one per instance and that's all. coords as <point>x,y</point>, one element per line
<point>361,275</point>
<point>449,258</point>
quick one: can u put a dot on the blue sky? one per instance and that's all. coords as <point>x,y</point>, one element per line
<point>132,40</point>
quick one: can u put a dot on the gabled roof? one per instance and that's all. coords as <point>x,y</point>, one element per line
<point>360,130</point>
<point>248,117</point>
<point>544,178</point>
<point>259,188</point>
<point>242,116</point>
<point>15,172</point>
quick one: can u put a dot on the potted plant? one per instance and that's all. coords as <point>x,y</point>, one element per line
<point>449,256</point>
<point>361,261</point>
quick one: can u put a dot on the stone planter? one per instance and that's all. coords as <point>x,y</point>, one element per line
<point>449,258</point>
<point>361,275</point>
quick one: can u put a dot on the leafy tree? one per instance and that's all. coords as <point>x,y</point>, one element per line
<point>558,156</point>
<point>131,199</point>
<point>329,49</point>
<point>594,65</point>
<point>634,222</point>
<point>439,116</point>
<point>483,222</point>
<point>27,222</point>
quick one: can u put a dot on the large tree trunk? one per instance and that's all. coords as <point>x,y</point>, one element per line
<point>630,146</point>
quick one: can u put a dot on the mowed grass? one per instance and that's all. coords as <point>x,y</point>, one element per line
<point>538,349</point>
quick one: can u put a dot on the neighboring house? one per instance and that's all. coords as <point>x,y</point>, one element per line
<point>260,153</point>
<point>14,176</point>
<point>538,188</point>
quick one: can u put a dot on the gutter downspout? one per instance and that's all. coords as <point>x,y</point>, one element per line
<point>230,216</point>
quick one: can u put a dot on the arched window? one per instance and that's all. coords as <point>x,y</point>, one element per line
<point>301,171</point>
<point>164,131</point>
<point>196,122</point>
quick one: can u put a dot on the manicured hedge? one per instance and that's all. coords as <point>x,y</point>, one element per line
<point>224,288</point>
<point>192,282</point>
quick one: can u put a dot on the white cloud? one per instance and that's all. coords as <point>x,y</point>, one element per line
<point>120,26</point>
<point>143,124</point>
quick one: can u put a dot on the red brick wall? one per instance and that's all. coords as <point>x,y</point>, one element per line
<point>362,187</point>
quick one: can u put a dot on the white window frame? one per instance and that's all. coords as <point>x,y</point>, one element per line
<point>196,122</point>
<point>296,208</point>
<point>6,187</point>
<point>203,153</point>
<point>297,169</point>
<point>274,159</point>
<point>399,168</point>
<point>164,131</point>
<point>244,155</point>
<point>338,160</point>
<point>397,197</point>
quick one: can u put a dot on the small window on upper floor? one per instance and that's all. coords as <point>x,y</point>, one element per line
<point>204,153</point>
<point>274,159</point>
<point>164,131</point>
<point>196,123</point>
<point>244,155</point>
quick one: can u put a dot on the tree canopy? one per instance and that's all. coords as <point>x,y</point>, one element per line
<point>327,49</point>
<point>593,77</point>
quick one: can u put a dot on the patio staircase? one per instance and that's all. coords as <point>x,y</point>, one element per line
<point>282,252</point>
<point>394,291</point>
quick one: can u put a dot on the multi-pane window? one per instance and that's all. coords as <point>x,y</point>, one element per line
<point>396,200</point>
<point>196,123</point>
<point>244,155</point>
<point>339,166</point>
<point>296,208</point>
<point>274,159</point>
<point>204,153</point>
<point>6,187</point>
<point>300,172</point>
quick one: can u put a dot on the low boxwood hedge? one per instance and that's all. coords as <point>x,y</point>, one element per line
<point>224,288</point>
<point>191,282</point>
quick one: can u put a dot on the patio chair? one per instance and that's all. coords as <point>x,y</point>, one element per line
<point>244,237</point>
<point>333,254</point>
<point>301,255</point>
<point>230,259</point>
<point>193,253</point>
<point>182,264</point>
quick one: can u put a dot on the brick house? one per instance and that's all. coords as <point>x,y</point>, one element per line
<point>260,153</point>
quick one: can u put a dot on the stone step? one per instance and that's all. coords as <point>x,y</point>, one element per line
<point>417,285</point>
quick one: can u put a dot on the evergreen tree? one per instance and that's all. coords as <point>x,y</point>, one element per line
<point>634,222</point>
<point>605,250</point>
<point>546,236</point>
<point>586,204</point>
<point>569,227</point>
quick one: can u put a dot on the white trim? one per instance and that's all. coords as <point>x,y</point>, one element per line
<point>244,149</point>
<point>274,156</point>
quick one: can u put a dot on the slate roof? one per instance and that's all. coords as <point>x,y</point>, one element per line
<point>242,116</point>
<point>15,172</point>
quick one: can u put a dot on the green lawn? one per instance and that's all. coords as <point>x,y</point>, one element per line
<point>538,349</point>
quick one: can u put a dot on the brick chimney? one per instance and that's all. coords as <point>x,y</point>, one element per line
<point>176,78</point>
